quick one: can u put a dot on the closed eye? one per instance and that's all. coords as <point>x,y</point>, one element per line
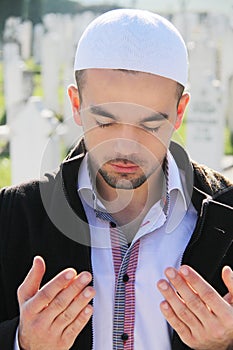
<point>152,126</point>
<point>103,121</point>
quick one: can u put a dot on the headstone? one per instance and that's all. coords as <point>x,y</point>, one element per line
<point>227,56</point>
<point>230,108</point>
<point>4,133</point>
<point>66,40</point>
<point>50,70</point>
<point>11,30</point>
<point>37,42</point>
<point>32,145</point>
<point>188,25</point>
<point>25,38</point>
<point>203,59</point>
<point>81,21</point>
<point>205,124</point>
<point>13,79</point>
<point>206,119</point>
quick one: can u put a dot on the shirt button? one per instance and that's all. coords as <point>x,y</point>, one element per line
<point>125,277</point>
<point>112,224</point>
<point>124,336</point>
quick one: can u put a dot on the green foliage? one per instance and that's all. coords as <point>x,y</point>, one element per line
<point>5,171</point>
<point>2,102</point>
<point>228,142</point>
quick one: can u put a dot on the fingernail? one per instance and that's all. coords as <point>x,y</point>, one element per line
<point>184,270</point>
<point>88,310</point>
<point>85,278</point>
<point>170,273</point>
<point>34,260</point>
<point>70,274</point>
<point>163,285</point>
<point>164,305</point>
<point>87,293</point>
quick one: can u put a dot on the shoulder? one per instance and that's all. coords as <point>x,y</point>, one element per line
<point>211,181</point>
<point>25,198</point>
<point>27,190</point>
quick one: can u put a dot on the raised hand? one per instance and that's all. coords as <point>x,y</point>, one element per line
<point>53,316</point>
<point>202,318</point>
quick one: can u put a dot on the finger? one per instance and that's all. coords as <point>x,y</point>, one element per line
<point>180,327</point>
<point>190,297</point>
<point>205,291</point>
<point>74,309</point>
<point>227,276</point>
<point>70,333</point>
<point>63,299</point>
<point>31,284</point>
<point>178,306</point>
<point>49,291</point>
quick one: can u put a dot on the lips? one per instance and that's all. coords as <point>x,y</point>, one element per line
<point>128,168</point>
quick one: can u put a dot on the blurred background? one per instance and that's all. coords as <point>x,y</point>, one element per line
<point>37,46</point>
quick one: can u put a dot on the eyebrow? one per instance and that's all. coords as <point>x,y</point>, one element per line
<point>153,117</point>
<point>100,111</point>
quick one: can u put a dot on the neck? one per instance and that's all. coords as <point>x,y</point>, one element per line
<point>129,207</point>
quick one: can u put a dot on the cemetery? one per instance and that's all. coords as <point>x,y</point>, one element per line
<point>36,67</point>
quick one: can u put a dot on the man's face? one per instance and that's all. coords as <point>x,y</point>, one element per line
<point>128,120</point>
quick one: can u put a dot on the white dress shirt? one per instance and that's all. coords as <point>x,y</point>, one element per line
<point>162,243</point>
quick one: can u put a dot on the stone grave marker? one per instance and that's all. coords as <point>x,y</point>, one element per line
<point>33,145</point>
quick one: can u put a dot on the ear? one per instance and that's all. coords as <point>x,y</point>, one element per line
<point>181,109</point>
<point>75,103</point>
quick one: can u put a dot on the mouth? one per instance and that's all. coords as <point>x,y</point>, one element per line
<point>126,168</point>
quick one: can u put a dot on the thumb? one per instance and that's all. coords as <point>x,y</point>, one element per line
<point>227,276</point>
<point>31,284</point>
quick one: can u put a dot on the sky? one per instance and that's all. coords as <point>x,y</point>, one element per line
<point>222,6</point>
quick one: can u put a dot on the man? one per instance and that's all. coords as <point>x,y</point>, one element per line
<point>125,206</point>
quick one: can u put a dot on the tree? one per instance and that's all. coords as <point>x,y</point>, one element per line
<point>9,8</point>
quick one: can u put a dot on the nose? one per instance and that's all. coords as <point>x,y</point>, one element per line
<point>126,141</point>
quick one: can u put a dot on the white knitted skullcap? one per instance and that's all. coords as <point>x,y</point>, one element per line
<point>133,40</point>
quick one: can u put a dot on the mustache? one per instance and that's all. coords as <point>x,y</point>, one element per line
<point>126,159</point>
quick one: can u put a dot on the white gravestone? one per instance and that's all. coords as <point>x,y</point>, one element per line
<point>230,108</point>
<point>25,38</point>
<point>51,70</point>
<point>73,131</point>
<point>11,29</point>
<point>32,143</point>
<point>13,79</point>
<point>203,61</point>
<point>227,74</point>
<point>205,124</point>
<point>37,42</point>
<point>205,120</point>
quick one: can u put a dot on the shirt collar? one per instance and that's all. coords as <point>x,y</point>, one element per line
<point>175,180</point>
<point>85,188</point>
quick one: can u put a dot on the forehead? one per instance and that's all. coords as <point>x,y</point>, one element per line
<point>151,91</point>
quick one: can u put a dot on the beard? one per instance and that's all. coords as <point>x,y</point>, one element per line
<point>122,181</point>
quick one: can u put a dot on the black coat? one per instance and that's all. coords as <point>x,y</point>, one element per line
<point>34,217</point>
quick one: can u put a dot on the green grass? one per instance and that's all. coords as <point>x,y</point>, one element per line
<point>228,142</point>
<point>5,171</point>
<point>2,101</point>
